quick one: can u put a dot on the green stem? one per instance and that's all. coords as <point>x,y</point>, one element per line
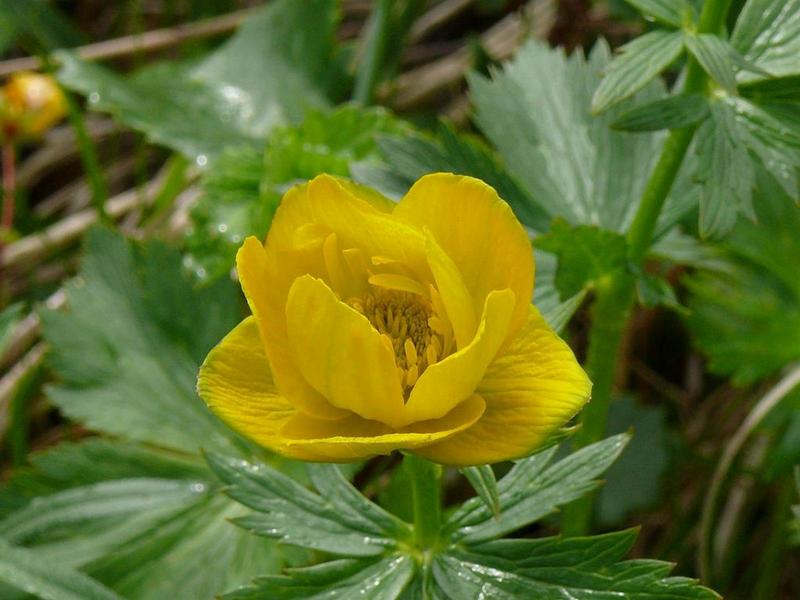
<point>615,297</point>
<point>88,154</point>
<point>376,40</point>
<point>773,551</point>
<point>426,499</point>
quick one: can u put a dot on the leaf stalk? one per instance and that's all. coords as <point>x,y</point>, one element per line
<point>614,299</point>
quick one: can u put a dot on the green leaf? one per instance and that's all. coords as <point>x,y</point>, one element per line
<point>546,296</point>
<point>569,162</point>
<point>715,55</point>
<point>772,132</point>
<point>775,89</point>
<point>92,461</point>
<point>385,579</point>
<point>634,481</point>
<point>128,349</point>
<point>280,61</point>
<point>672,112</point>
<point>638,63</point>
<point>767,34</point>
<point>745,307</point>
<point>23,570</point>
<point>379,559</point>
<point>656,291</point>
<point>669,12</point>
<point>147,523</point>
<point>411,156</point>
<point>120,499</point>
<point>551,568</point>
<point>725,171</point>
<point>483,482</point>
<point>585,255</point>
<point>287,511</point>
<point>533,489</point>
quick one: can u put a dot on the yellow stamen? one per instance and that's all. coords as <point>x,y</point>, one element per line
<point>411,375</point>
<point>430,354</point>
<point>411,352</point>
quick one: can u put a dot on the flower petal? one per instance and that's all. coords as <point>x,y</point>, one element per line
<point>355,439</point>
<point>478,231</point>
<point>262,283</point>
<point>236,382</point>
<point>359,224</point>
<point>445,384</point>
<point>535,387</point>
<point>455,295</point>
<point>341,354</point>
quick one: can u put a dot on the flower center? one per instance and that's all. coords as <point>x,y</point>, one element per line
<point>409,327</point>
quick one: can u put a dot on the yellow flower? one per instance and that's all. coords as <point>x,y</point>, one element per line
<point>31,104</point>
<point>379,326</point>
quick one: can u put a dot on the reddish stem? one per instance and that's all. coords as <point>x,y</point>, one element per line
<point>9,185</point>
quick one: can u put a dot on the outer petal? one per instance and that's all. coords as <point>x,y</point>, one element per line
<point>262,283</point>
<point>444,384</point>
<point>236,383</point>
<point>534,388</point>
<point>479,233</point>
<point>341,354</point>
<point>356,439</point>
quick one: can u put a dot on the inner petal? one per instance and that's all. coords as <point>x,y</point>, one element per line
<point>340,354</point>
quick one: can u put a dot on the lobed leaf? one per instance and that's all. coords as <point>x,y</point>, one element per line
<point>536,111</point>
<point>767,33</point>
<point>725,171</point>
<point>554,568</point>
<point>128,348</point>
<point>672,112</point>
<point>287,511</point>
<point>638,63</point>
<point>745,306</point>
<point>144,522</point>
<point>384,579</point>
<point>533,489</point>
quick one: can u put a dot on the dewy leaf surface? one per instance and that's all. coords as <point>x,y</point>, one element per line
<point>385,579</point>
<point>376,557</point>
<point>553,569</point>
<point>281,61</point>
<point>767,33</point>
<point>128,347</point>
